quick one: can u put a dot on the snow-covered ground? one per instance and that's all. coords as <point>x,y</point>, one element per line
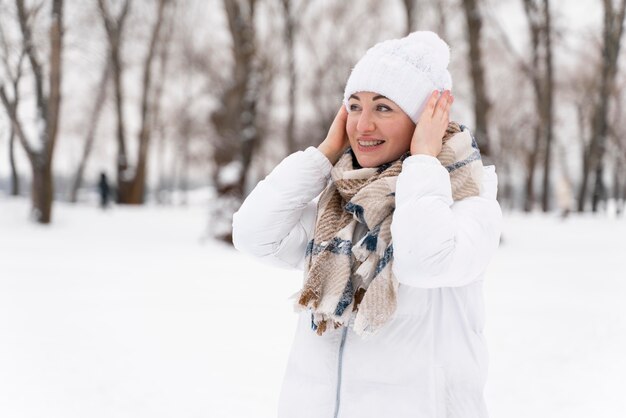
<point>133,313</point>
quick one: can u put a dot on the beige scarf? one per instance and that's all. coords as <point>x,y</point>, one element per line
<point>342,276</point>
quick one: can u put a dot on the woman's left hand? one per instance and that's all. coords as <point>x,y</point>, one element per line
<point>432,124</point>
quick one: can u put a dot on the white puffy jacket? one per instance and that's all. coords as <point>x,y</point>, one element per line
<point>431,359</point>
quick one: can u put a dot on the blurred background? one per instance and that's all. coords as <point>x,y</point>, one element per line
<point>132,130</point>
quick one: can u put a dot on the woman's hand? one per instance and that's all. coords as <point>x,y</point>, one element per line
<point>336,140</point>
<point>432,124</point>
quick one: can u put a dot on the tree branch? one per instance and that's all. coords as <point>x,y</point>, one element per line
<point>54,99</point>
<point>29,47</point>
<point>17,127</point>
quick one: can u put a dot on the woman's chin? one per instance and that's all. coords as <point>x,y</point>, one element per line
<point>369,161</point>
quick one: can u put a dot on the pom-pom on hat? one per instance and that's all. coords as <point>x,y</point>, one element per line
<point>405,70</point>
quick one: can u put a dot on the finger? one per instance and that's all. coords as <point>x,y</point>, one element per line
<point>341,117</point>
<point>441,103</point>
<point>343,120</point>
<point>445,117</point>
<point>448,106</point>
<point>443,114</point>
<point>444,97</point>
<point>343,112</point>
<point>432,101</point>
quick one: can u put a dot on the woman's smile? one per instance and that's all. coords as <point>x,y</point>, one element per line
<point>369,144</point>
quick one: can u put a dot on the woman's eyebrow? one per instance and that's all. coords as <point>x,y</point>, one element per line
<point>380,96</point>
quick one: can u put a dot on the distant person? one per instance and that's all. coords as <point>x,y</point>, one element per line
<point>105,191</point>
<point>394,220</point>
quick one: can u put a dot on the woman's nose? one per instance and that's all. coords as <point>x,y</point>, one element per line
<point>365,123</point>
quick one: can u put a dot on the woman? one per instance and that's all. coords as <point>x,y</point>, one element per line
<point>393,250</point>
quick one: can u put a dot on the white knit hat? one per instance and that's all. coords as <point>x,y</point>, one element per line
<point>405,70</point>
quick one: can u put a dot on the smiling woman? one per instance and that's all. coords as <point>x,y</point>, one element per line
<point>393,220</point>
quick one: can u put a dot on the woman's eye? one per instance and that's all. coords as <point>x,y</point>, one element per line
<point>383,108</point>
<point>354,107</point>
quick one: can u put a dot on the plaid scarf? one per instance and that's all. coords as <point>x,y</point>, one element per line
<point>342,276</point>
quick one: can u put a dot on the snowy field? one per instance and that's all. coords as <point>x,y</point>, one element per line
<point>133,313</point>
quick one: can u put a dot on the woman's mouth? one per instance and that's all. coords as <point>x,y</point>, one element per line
<point>369,145</point>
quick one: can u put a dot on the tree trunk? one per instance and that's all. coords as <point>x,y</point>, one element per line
<point>547,107</point>
<point>180,164</point>
<point>42,193</point>
<point>184,171</point>
<point>531,164</point>
<point>481,102</point>
<point>132,186</point>
<point>581,198</point>
<point>529,192</point>
<point>15,180</point>
<point>599,190</point>
<point>114,29</point>
<point>612,33</point>
<point>289,34</point>
<point>617,185</point>
<point>623,202</point>
<point>54,95</point>
<point>158,123</point>
<point>235,121</point>
<point>534,25</point>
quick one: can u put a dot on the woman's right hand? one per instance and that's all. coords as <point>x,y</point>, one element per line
<point>336,141</point>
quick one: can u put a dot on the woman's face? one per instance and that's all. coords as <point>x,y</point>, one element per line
<point>378,130</point>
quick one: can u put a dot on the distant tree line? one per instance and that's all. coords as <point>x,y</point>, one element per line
<point>229,87</point>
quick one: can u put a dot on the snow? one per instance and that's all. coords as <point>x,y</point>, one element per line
<point>230,174</point>
<point>556,318</point>
<point>133,312</point>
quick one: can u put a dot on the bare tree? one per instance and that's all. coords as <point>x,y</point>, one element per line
<point>48,103</point>
<point>159,124</point>
<point>14,76</point>
<point>138,182</point>
<point>538,71</point>
<point>131,181</point>
<point>482,104</point>
<point>235,120</point>
<point>547,108</point>
<point>593,161</point>
<point>199,70</point>
<point>617,136</point>
<point>541,73</point>
<point>114,27</point>
<point>533,16</point>
<point>292,16</point>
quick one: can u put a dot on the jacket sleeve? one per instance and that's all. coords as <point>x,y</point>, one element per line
<point>438,242</point>
<point>276,220</point>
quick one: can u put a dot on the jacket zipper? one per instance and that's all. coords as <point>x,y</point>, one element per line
<point>339,365</point>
